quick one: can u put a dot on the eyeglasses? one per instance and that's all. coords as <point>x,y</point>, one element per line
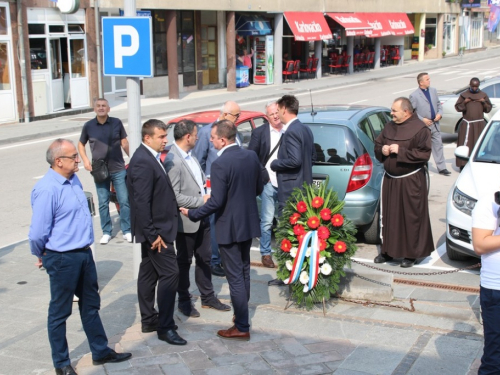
<point>72,157</point>
<point>236,116</point>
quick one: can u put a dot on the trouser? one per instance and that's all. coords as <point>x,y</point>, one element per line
<point>73,273</point>
<point>213,243</point>
<point>437,147</point>
<point>490,312</point>
<point>268,199</point>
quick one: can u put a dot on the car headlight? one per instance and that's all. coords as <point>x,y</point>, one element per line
<point>463,202</point>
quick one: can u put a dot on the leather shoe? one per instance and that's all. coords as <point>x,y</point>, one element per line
<point>172,337</point>
<point>66,370</point>
<point>275,282</point>
<point>146,328</point>
<point>215,304</point>
<point>234,334</point>
<point>445,172</point>
<point>112,357</point>
<point>382,258</point>
<point>267,261</point>
<point>217,270</point>
<point>407,262</point>
<point>190,311</point>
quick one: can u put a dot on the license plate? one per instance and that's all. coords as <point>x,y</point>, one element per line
<point>317,183</point>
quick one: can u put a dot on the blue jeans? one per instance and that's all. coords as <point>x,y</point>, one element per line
<point>73,273</point>
<point>268,197</point>
<point>103,193</point>
<point>490,311</point>
<point>213,242</point>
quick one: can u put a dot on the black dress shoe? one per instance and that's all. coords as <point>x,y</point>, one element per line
<point>445,172</point>
<point>66,370</point>
<point>112,357</point>
<point>407,262</point>
<point>215,304</point>
<point>382,258</point>
<point>146,328</point>
<point>275,282</point>
<point>172,337</point>
<point>190,311</point>
<point>217,270</point>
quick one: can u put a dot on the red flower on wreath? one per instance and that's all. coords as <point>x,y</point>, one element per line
<point>326,214</point>
<point>323,233</point>
<point>317,202</point>
<point>294,218</point>
<point>286,245</point>
<point>302,207</point>
<point>313,222</point>
<point>340,247</point>
<point>337,220</point>
<point>298,230</point>
<point>300,237</point>
<point>322,245</point>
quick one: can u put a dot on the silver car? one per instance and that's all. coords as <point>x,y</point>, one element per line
<point>452,119</point>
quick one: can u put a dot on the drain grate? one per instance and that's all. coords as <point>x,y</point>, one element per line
<point>429,284</point>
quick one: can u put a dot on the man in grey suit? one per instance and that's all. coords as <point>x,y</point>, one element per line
<point>188,181</point>
<point>426,103</point>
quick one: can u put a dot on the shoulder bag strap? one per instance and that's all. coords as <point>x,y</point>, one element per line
<point>273,151</point>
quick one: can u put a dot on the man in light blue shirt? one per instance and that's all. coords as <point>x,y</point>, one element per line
<point>60,237</point>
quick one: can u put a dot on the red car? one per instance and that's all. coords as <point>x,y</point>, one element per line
<point>247,121</point>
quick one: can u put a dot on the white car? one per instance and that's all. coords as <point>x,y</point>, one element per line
<point>480,176</point>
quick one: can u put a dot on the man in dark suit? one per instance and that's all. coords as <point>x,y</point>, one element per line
<point>296,154</point>
<point>154,224</point>
<point>265,142</point>
<point>236,181</point>
<point>193,239</point>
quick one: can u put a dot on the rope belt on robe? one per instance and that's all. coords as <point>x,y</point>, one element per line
<point>467,131</point>
<point>381,186</point>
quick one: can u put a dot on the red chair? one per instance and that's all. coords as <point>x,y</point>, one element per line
<point>288,72</point>
<point>370,59</point>
<point>296,69</point>
<point>395,56</point>
<point>315,66</point>
<point>336,65</point>
<point>346,63</point>
<point>308,68</point>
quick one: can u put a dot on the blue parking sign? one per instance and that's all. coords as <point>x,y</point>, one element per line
<point>127,46</point>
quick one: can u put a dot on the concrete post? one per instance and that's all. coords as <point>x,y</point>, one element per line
<point>439,35</point>
<point>421,41</point>
<point>173,69</point>
<point>377,53</point>
<point>350,52</point>
<point>231,52</point>
<point>318,53</point>
<point>278,49</point>
<point>221,42</point>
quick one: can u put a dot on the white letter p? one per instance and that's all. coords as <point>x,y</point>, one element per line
<point>120,50</point>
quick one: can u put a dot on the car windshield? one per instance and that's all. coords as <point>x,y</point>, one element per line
<point>335,145</point>
<point>489,149</point>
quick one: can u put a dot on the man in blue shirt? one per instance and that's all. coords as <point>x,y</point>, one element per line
<point>60,237</point>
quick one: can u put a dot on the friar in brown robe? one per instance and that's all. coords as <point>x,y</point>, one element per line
<point>473,103</point>
<point>404,147</point>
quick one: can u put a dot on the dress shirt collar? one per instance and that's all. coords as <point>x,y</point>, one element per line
<point>183,153</point>
<point>154,152</point>
<point>285,127</point>
<point>60,178</point>
<point>224,149</point>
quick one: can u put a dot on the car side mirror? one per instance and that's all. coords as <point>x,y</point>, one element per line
<point>462,152</point>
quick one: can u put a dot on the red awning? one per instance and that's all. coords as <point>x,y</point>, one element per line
<point>384,24</point>
<point>308,26</point>
<point>354,23</point>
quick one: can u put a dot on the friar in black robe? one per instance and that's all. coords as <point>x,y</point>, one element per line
<point>473,103</point>
<point>404,147</point>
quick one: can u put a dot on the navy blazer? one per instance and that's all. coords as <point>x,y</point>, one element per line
<point>295,159</point>
<point>153,207</point>
<point>236,182</point>
<point>260,142</point>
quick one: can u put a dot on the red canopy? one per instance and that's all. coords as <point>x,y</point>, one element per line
<point>308,26</point>
<point>384,24</point>
<point>354,23</point>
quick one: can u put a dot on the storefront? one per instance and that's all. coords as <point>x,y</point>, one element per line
<point>7,94</point>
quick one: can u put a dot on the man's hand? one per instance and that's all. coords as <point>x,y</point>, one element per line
<point>88,165</point>
<point>158,244</point>
<point>438,117</point>
<point>206,197</point>
<point>385,150</point>
<point>427,121</point>
<point>481,100</point>
<point>467,100</point>
<point>39,263</point>
<point>185,211</point>
<point>394,148</point>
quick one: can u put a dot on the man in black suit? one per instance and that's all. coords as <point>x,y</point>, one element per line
<point>154,224</point>
<point>296,154</point>
<point>236,181</point>
<point>265,142</point>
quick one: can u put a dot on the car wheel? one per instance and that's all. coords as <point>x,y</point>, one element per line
<point>455,255</point>
<point>372,231</point>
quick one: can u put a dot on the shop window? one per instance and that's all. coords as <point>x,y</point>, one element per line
<point>430,31</point>
<point>3,21</point>
<point>77,49</point>
<point>56,29</point>
<point>38,52</point>
<point>4,67</point>
<point>160,42</point>
<point>36,28</point>
<point>76,29</point>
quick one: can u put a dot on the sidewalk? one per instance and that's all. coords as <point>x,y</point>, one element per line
<point>213,99</point>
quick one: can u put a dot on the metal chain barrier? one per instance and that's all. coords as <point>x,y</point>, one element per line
<point>372,303</point>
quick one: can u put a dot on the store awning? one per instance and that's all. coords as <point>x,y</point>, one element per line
<point>384,24</point>
<point>247,25</point>
<point>308,26</point>
<point>354,23</point>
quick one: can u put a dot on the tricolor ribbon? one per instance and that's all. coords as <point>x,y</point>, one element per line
<point>312,238</point>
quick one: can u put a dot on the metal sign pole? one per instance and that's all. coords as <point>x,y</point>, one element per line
<point>134,122</point>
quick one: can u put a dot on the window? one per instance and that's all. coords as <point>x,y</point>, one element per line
<point>77,50</point>
<point>4,67</point>
<point>36,29</point>
<point>76,29</point>
<point>378,121</point>
<point>160,42</point>
<point>258,121</point>
<point>56,29</point>
<point>430,31</point>
<point>245,131</point>
<point>365,128</point>
<point>38,52</point>
<point>3,21</point>
<point>335,144</point>
<point>493,91</point>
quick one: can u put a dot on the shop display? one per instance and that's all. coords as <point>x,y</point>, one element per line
<point>264,60</point>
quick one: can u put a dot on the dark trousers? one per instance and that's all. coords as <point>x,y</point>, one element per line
<point>73,273</point>
<point>158,268</point>
<point>213,242</point>
<point>236,259</point>
<point>197,244</point>
<point>490,312</point>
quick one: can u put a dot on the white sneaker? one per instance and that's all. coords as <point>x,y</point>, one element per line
<point>127,237</point>
<point>105,239</point>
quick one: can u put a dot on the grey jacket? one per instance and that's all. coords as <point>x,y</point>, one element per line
<point>187,191</point>
<point>421,104</point>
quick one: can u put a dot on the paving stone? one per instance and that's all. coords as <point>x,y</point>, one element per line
<point>448,346</point>
<point>317,358</point>
<point>333,365</point>
<point>176,369</point>
<point>312,369</point>
<point>235,359</point>
<point>214,348</point>
<point>225,370</point>
<point>343,347</point>
<point>441,365</point>
<point>140,370</point>
<point>278,358</point>
<point>196,360</point>
<point>258,367</point>
<point>96,370</point>
<point>249,347</point>
<point>342,371</point>
<point>373,360</point>
<point>155,360</point>
<point>292,346</point>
